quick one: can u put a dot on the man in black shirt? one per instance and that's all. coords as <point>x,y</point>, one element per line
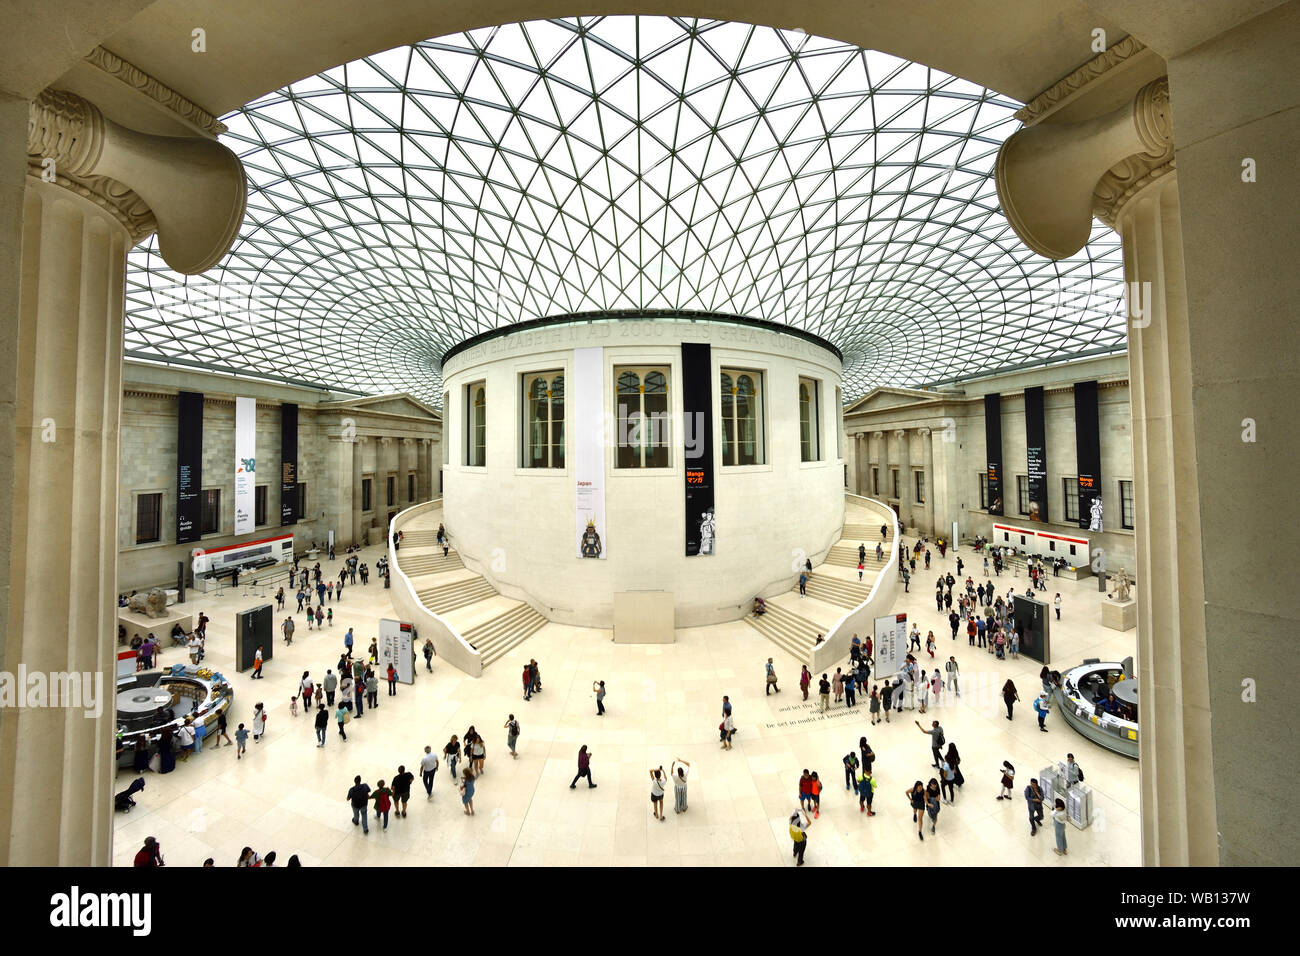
<point>402,790</point>
<point>359,797</point>
<point>1034,797</point>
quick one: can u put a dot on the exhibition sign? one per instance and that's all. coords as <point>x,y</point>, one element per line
<point>1087,446</point>
<point>993,451</point>
<point>288,464</point>
<point>589,450</point>
<point>397,647</point>
<point>1036,453</point>
<point>245,464</point>
<point>697,415</point>
<point>189,466</point>
<point>1029,618</point>
<point>890,649</point>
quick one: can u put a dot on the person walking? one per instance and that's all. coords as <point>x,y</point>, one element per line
<point>728,729</point>
<point>241,741</point>
<point>584,769</point>
<point>916,798</point>
<point>936,740</point>
<point>322,722</point>
<point>257,664</point>
<point>428,770</point>
<point>383,802</point>
<point>527,678</point>
<point>866,791</point>
<point>954,675</point>
<point>451,753</point>
<point>805,678</point>
<point>598,688</point>
<point>874,705</point>
<point>429,652</point>
<point>824,692</point>
<point>815,791</point>
<point>320,617</point>
<point>805,790</point>
<point>679,783</point>
<point>1005,791</point>
<point>1009,696</point>
<point>1034,798</point>
<point>372,689</point>
<point>771,679</point>
<point>259,722</point>
<point>512,734</point>
<point>1058,824</point>
<point>948,781</point>
<point>887,699</point>
<point>359,693</point>
<point>359,798</point>
<point>302,596</point>
<point>1041,707</point>
<point>657,791</point>
<point>803,583</point>
<point>1056,603</point>
<point>477,754</point>
<point>932,803</point>
<point>287,628</point>
<point>341,717</point>
<point>467,791</point>
<point>402,789</point>
<point>799,824</point>
<point>348,641</point>
<point>221,730</point>
<point>331,684</point>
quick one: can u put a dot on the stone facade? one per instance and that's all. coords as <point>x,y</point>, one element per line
<point>341,442</point>
<point>940,434</point>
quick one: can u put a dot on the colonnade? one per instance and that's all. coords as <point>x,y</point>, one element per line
<point>909,451</point>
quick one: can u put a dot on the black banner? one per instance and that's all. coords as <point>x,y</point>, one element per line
<point>1030,619</point>
<point>1036,453</point>
<point>993,450</point>
<point>189,466</point>
<point>1087,449</point>
<point>288,464</point>
<point>697,416</point>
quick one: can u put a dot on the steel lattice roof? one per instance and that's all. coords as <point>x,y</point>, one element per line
<point>404,202</point>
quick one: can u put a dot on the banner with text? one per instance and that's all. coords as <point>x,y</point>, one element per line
<point>245,464</point>
<point>993,451</point>
<point>587,407</point>
<point>189,466</point>
<point>890,648</point>
<point>1087,449</point>
<point>288,464</point>
<point>1036,453</point>
<point>697,418</point>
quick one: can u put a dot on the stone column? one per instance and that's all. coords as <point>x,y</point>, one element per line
<point>1122,162</point>
<point>359,448</point>
<point>878,458</point>
<point>927,467</point>
<point>92,190</point>
<point>408,459</point>
<point>903,459</point>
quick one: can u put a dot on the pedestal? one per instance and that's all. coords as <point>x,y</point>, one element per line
<point>160,627</point>
<point>1118,615</point>
<point>644,617</point>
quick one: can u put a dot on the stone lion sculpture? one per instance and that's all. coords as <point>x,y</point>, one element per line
<point>153,604</point>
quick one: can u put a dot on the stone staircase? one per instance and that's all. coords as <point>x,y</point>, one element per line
<point>417,564</point>
<point>419,538</point>
<point>495,638</point>
<point>858,532</point>
<point>837,591</point>
<point>791,632</point>
<point>448,597</point>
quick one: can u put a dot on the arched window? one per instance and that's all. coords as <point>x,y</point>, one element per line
<point>742,417</point>
<point>642,413</point>
<point>476,425</point>
<point>809,429</point>
<point>543,429</point>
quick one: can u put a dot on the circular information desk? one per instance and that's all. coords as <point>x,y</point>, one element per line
<point>1083,689</point>
<point>149,701</point>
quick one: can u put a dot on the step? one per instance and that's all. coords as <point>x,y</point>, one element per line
<point>417,564</point>
<point>448,597</point>
<point>419,538</point>
<point>497,637</point>
<point>836,590</point>
<point>845,557</point>
<point>791,632</point>
<point>863,532</point>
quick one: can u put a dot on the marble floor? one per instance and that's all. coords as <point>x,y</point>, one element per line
<point>663,702</point>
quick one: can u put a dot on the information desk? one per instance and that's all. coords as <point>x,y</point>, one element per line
<point>1082,689</point>
<point>149,701</point>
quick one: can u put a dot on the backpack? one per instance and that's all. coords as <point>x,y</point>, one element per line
<point>514,728</point>
<point>940,739</point>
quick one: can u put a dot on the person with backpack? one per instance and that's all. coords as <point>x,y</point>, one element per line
<point>1041,707</point>
<point>866,790</point>
<point>1073,772</point>
<point>383,802</point>
<point>936,739</point>
<point>402,790</point>
<point>341,715</point>
<point>512,734</point>
<point>359,798</point>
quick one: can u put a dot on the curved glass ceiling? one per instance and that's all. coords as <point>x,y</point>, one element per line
<point>404,202</point>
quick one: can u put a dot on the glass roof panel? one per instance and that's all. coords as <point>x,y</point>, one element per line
<point>409,200</point>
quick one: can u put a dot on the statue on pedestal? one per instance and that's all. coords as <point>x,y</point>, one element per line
<point>1122,585</point>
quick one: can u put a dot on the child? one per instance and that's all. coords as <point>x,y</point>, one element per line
<point>860,568</point>
<point>293,706</point>
<point>311,617</point>
<point>1008,778</point>
<point>241,742</point>
<point>815,790</point>
<point>329,591</point>
<point>329,616</point>
<point>805,791</point>
<point>866,789</point>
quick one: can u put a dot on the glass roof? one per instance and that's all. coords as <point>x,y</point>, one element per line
<point>409,200</point>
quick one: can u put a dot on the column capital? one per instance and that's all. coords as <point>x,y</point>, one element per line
<point>384,440</point>
<point>1054,177</point>
<point>900,433</point>
<point>924,431</point>
<point>190,190</point>
<point>877,435</point>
